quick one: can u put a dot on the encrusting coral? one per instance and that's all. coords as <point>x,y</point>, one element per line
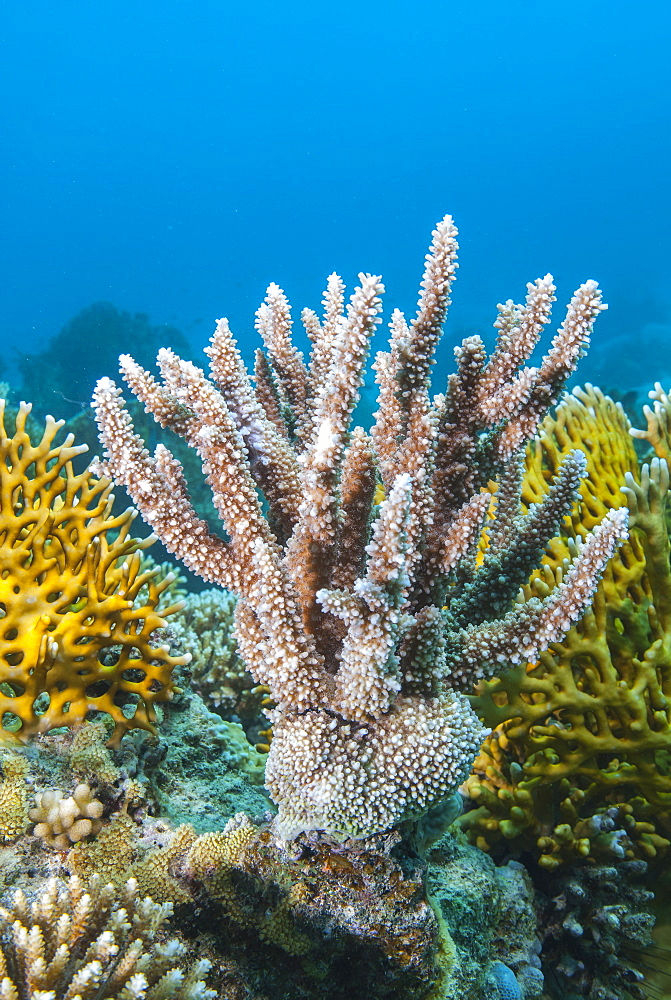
<point>74,639</point>
<point>312,920</point>
<point>13,796</point>
<point>88,939</point>
<point>340,599</point>
<point>89,756</point>
<point>579,761</point>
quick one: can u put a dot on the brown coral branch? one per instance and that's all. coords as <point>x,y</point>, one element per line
<point>158,488</point>
<point>480,650</point>
<point>567,347</point>
<point>268,394</point>
<point>273,322</point>
<point>272,461</point>
<point>311,549</point>
<point>357,490</point>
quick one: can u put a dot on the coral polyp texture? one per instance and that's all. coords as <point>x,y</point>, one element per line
<point>362,618</point>
<point>72,639</point>
<point>87,939</point>
<point>578,765</point>
<point>13,796</point>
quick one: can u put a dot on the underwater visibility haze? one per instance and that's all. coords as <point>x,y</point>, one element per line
<point>335,635</point>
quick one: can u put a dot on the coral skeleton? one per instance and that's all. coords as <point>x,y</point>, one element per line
<point>362,617</point>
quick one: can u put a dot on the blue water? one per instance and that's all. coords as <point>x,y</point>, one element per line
<point>173,158</point>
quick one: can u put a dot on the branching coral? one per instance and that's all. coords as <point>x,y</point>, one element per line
<point>72,639</point>
<point>339,609</point>
<point>90,940</point>
<point>658,419</point>
<point>579,763</point>
<point>62,820</point>
<point>204,629</point>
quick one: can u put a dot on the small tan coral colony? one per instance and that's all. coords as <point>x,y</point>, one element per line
<point>362,618</point>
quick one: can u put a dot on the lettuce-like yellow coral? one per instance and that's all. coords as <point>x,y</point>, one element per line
<point>71,639</point>
<point>579,761</point>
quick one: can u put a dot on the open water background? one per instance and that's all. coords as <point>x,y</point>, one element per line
<point>173,158</point>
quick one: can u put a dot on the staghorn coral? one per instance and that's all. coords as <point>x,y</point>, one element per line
<point>73,638</point>
<point>579,763</point>
<point>340,598</point>
<point>88,939</point>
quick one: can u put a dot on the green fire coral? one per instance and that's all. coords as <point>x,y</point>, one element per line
<point>71,638</point>
<point>579,762</point>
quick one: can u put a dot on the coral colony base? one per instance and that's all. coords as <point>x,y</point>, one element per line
<point>366,620</point>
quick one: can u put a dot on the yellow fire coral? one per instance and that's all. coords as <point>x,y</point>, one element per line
<point>579,762</point>
<point>71,639</point>
<point>658,420</point>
